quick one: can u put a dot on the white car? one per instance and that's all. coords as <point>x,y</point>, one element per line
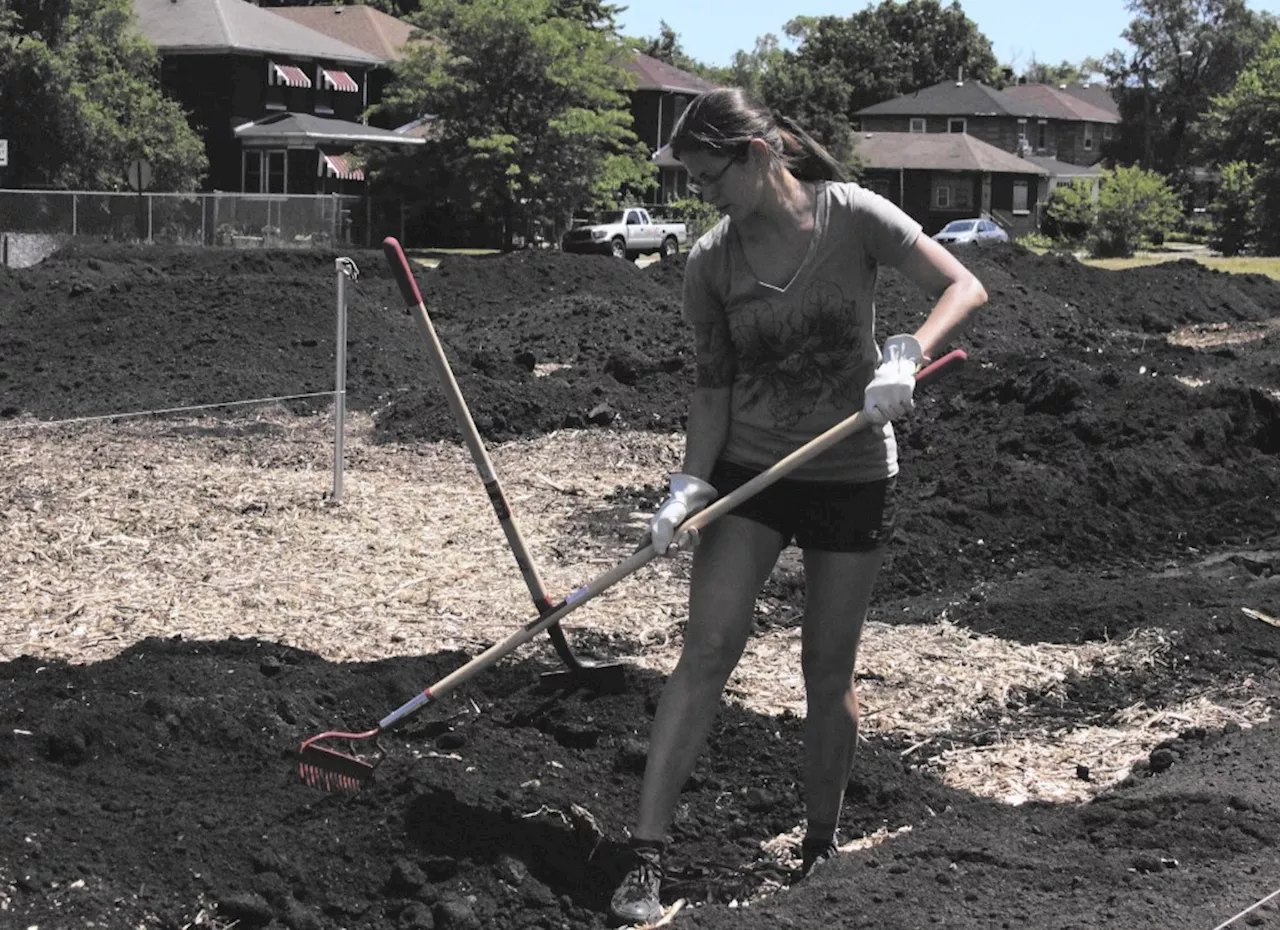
<point>962,232</point>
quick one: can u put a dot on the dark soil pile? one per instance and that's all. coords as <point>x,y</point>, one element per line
<point>1075,481</point>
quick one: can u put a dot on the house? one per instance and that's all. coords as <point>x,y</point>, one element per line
<point>939,177</point>
<point>659,94</point>
<point>364,27</point>
<point>278,104</point>
<point>1058,132</point>
<point>1032,119</point>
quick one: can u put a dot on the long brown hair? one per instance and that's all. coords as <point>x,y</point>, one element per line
<point>725,120</point>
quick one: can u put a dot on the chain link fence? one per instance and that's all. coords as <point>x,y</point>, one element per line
<point>237,220</point>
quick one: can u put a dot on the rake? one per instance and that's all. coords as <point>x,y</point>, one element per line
<point>330,769</point>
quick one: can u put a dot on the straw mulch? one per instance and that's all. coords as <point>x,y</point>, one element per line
<point>209,529</point>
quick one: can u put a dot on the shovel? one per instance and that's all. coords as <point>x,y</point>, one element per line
<point>603,677</point>
<point>330,769</point>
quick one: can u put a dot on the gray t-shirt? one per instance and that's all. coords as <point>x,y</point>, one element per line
<point>805,353</point>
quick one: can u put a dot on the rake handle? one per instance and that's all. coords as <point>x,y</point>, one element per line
<point>642,556</point>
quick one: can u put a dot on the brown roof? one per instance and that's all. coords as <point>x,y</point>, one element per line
<point>1059,104</point>
<point>1097,94</point>
<point>382,36</point>
<point>939,151</point>
<point>954,98</point>
<point>211,27</point>
<point>652,74</point>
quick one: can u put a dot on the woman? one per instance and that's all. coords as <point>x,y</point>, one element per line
<point>780,294</point>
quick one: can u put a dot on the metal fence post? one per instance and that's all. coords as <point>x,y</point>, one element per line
<point>345,268</point>
<point>75,226</point>
<point>150,201</point>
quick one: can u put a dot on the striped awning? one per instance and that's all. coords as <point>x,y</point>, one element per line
<point>335,166</point>
<point>339,80</point>
<point>290,75</point>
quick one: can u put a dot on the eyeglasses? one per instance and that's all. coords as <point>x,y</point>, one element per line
<point>697,186</point>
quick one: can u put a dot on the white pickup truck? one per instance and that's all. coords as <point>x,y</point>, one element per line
<point>626,234</point>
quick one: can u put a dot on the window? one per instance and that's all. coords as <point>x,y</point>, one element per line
<point>957,124</point>
<point>1022,132</point>
<point>918,124</point>
<point>265,171</point>
<point>1088,137</point>
<point>952,193</point>
<point>324,93</point>
<point>1106,133</point>
<point>1042,134</point>
<point>879,186</point>
<point>1020,197</point>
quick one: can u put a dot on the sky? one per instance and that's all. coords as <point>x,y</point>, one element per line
<point>1020,31</point>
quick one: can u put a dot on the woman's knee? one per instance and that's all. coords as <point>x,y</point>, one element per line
<point>712,651</point>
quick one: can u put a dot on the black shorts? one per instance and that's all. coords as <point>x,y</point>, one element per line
<point>832,516</point>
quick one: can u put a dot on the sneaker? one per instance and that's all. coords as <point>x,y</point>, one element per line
<point>636,900</point>
<point>813,853</point>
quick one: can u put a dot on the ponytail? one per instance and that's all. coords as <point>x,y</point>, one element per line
<point>806,158</point>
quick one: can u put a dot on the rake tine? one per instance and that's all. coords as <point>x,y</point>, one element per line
<point>331,770</point>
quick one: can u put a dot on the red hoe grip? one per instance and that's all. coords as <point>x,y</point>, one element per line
<point>403,273</point>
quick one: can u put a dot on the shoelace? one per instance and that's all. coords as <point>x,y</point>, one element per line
<point>643,878</point>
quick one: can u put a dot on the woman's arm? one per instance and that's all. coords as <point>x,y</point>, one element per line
<point>708,425</point>
<point>955,288</point>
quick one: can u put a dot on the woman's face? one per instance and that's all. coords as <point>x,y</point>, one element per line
<point>723,180</point>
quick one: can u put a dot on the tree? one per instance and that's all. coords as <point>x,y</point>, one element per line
<point>1135,208</point>
<point>1243,125</point>
<point>1070,212</point>
<point>1182,54</point>
<point>532,119</point>
<point>1235,209</point>
<point>844,64</point>
<point>1062,73</point>
<point>82,100</point>
<point>748,69</point>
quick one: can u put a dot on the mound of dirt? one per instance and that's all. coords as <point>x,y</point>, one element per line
<point>1074,388</point>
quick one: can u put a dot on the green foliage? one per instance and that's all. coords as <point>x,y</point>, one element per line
<point>1037,241</point>
<point>1243,125</point>
<point>1236,207</point>
<point>81,100</point>
<point>1070,212</point>
<point>1063,73</point>
<point>695,213</point>
<point>533,121</point>
<point>1181,54</point>
<point>1135,208</point>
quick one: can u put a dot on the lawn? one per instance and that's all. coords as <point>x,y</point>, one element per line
<point>1240,264</point>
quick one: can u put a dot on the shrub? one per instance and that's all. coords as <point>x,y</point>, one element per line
<point>1135,207</point>
<point>1070,212</point>
<point>1237,208</point>
<point>697,215</point>
<point>1035,240</point>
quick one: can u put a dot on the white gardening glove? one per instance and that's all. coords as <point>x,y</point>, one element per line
<point>888,396</point>
<point>688,496</point>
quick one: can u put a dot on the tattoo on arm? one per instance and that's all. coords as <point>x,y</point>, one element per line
<point>715,355</point>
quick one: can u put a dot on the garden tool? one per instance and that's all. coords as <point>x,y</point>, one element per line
<point>328,768</point>
<point>604,677</point>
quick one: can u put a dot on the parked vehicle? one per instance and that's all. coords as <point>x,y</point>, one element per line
<point>963,232</point>
<point>626,234</point>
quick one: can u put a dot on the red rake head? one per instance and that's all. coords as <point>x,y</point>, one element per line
<point>330,770</point>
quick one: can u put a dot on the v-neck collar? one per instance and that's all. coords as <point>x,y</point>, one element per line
<point>819,224</point>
